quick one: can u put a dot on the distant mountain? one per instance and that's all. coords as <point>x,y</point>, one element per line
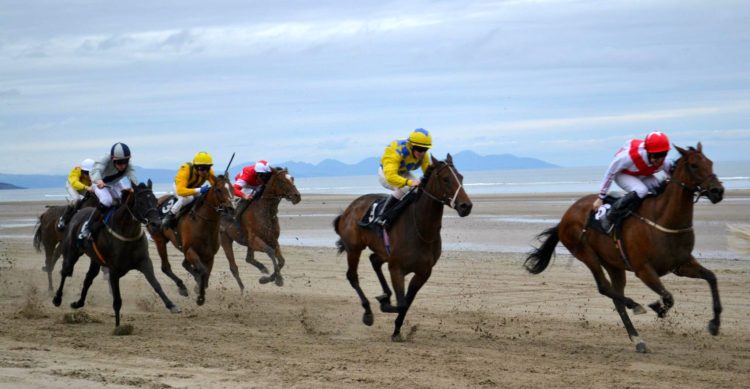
<point>464,161</point>
<point>8,186</point>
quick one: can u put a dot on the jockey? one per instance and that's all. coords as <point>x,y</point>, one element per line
<point>399,159</point>
<point>249,182</point>
<point>111,175</point>
<point>633,170</point>
<point>188,183</point>
<point>78,184</point>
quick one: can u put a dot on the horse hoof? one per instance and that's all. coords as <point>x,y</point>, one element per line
<point>368,319</point>
<point>639,310</point>
<point>384,299</point>
<point>175,309</point>
<point>713,328</point>
<point>200,300</point>
<point>397,338</point>
<point>279,280</point>
<point>265,279</point>
<point>183,292</point>
<point>263,270</point>
<point>57,300</point>
<point>642,348</point>
<point>125,329</point>
<point>658,308</point>
<point>76,305</point>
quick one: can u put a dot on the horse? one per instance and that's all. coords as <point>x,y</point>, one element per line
<point>46,233</point>
<point>657,240</point>
<point>416,244</point>
<point>121,246</point>
<point>260,227</point>
<point>196,236</point>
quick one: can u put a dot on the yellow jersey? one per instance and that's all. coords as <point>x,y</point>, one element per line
<point>398,158</point>
<point>187,179</point>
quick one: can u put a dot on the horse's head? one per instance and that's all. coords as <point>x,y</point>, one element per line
<point>143,206</point>
<point>220,196</point>
<point>281,184</point>
<point>445,184</point>
<point>695,171</point>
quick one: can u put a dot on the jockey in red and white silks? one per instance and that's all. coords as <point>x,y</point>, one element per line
<point>632,169</point>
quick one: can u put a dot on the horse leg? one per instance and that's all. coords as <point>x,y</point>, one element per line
<point>250,258</point>
<point>648,275</point>
<point>276,275</point>
<point>51,254</point>
<point>415,285</point>
<point>397,280</point>
<point>618,283</point>
<point>90,275</point>
<point>693,269</point>
<point>147,269</point>
<point>282,261</point>
<point>377,265</point>
<point>352,259</point>
<point>114,283</point>
<point>199,271</point>
<point>166,267</point>
<point>69,262</point>
<point>592,261</point>
<point>226,245</point>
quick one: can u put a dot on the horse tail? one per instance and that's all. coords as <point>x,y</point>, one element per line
<point>38,236</point>
<point>540,257</point>
<point>339,243</point>
<point>336,223</point>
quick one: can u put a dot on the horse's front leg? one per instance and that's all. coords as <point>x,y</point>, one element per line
<point>166,267</point>
<point>145,267</point>
<point>90,275</point>
<point>260,245</point>
<point>693,269</point>
<point>648,275</point>
<point>194,265</point>
<point>415,285</point>
<point>377,266</point>
<point>397,279</point>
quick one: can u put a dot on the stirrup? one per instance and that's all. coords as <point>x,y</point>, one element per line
<point>60,224</point>
<point>84,233</point>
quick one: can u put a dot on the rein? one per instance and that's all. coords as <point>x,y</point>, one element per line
<point>661,228</point>
<point>445,201</point>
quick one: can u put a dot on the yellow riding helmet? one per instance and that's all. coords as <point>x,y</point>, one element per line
<point>420,137</point>
<point>203,158</point>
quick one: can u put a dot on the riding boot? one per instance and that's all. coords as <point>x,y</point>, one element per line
<point>65,217</point>
<point>240,210</point>
<point>622,208</point>
<point>386,216</point>
<point>92,223</point>
<point>169,220</point>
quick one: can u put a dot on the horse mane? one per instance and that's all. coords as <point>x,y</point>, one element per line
<point>663,185</point>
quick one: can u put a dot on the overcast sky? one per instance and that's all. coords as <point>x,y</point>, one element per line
<point>564,81</point>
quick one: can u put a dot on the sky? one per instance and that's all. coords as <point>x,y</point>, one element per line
<point>565,81</point>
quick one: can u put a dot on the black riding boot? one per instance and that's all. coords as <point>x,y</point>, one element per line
<point>169,220</point>
<point>93,223</point>
<point>387,216</point>
<point>70,210</point>
<point>240,210</point>
<point>622,208</point>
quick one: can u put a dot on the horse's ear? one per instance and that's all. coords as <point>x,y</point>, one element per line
<point>449,159</point>
<point>680,149</point>
<point>434,160</point>
<point>149,183</point>
<point>700,147</point>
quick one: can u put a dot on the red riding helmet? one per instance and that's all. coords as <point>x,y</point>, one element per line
<point>657,142</point>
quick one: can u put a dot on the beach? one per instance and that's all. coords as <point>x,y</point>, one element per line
<point>480,321</point>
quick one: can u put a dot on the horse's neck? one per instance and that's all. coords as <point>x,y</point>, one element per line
<point>268,205</point>
<point>122,221</point>
<point>674,207</point>
<point>429,213</point>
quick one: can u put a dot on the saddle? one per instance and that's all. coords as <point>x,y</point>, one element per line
<point>375,210</point>
<point>595,217</point>
<point>167,205</point>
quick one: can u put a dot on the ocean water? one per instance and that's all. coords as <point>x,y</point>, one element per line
<point>734,175</point>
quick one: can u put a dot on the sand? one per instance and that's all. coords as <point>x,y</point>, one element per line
<point>481,320</point>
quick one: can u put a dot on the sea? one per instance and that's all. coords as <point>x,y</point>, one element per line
<point>734,175</point>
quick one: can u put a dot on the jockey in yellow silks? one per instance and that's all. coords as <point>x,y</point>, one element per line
<point>188,183</point>
<point>78,183</point>
<point>400,158</point>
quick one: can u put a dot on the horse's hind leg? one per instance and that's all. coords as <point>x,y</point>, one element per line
<point>166,267</point>
<point>90,275</point>
<point>592,261</point>
<point>352,259</point>
<point>693,269</point>
<point>69,262</point>
<point>377,265</point>
<point>147,269</point>
<point>648,275</point>
<point>618,283</point>
<point>226,245</point>
<point>250,258</point>
<point>415,285</point>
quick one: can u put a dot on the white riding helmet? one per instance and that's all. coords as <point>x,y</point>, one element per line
<point>87,164</point>
<point>262,166</point>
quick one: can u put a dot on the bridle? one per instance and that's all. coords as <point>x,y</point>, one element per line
<point>699,189</point>
<point>446,200</point>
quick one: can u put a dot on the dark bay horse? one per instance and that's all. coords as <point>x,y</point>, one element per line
<point>657,240</point>
<point>415,239</point>
<point>197,236</point>
<point>260,227</point>
<point>120,245</point>
<point>48,236</point>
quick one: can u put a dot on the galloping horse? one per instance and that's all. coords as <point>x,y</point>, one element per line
<point>416,243</point>
<point>197,236</point>
<point>47,234</point>
<point>659,239</point>
<point>121,246</point>
<point>260,227</point>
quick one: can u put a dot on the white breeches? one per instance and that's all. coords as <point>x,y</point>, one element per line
<point>181,201</point>
<point>639,185</point>
<point>109,193</point>
<point>398,193</point>
<point>73,194</point>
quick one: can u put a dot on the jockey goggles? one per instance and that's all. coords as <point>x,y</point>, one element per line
<point>203,168</point>
<point>420,149</point>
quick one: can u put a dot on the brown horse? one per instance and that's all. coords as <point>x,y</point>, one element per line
<point>46,233</point>
<point>121,246</point>
<point>657,241</point>
<point>260,227</point>
<point>197,236</point>
<point>415,245</point>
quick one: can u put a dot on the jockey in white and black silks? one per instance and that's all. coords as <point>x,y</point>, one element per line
<point>633,169</point>
<point>111,175</point>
